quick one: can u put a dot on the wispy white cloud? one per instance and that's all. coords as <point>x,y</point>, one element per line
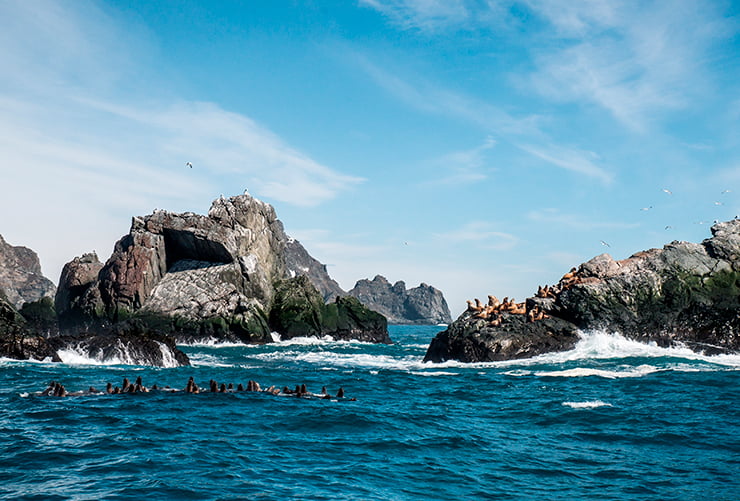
<point>572,159</point>
<point>633,62</point>
<point>483,234</point>
<point>429,98</point>
<point>463,167</point>
<point>428,15</point>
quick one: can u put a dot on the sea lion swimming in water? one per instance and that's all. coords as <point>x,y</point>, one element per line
<point>340,393</point>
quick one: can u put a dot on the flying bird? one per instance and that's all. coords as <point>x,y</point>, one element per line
<point>668,191</point>
<point>718,203</point>
<point>726,191</point>
<point>189,164</point>
<point>669,227</point>
<point>647,208</point>
<point>604,243</point>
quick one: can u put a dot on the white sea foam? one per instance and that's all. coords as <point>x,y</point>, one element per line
<point>639,371</point>
<point>77,356</point>
<point>434,373</point>
<point>593,404</point>
<point>215,343</point>
<point>599,345</point>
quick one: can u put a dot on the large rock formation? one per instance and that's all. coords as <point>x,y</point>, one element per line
<point>300,262</point>
<point>684,293</point>
<point>192,276</point>
<point>420,305</point>
<point>20,275</point>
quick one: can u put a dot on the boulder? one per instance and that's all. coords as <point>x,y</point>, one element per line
<point>469,339</point>
<point>20,275</point>
<point>419,305</point>
<point>683,294</point>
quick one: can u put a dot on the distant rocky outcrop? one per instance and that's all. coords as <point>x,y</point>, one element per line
<point>299,262</point>
<point>420,305</point>
<point>684,293</point>
<point>20,275</point>
<point>191,276</point>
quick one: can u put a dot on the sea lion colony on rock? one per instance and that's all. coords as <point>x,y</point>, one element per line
<point>494,309</point>
<point>58,390</point>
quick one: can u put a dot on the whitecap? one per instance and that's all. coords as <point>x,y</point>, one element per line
<point>434,373</point>
<point>639,371</point>
<point>593,404</point>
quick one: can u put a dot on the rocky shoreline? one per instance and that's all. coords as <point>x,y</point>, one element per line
<point>684,293</point>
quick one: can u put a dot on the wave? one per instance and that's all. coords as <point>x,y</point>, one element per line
<point>639,371</point>
<point>593,404</point>
<point>78,355</point>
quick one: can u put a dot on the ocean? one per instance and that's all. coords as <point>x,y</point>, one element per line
<point>612,419</point>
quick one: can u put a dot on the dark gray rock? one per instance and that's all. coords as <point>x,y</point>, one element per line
<point>469,339</point>
<point>420,305</point>
<point>20,275</point>
<point>15,339</point>
<point>299,262</point>
<point>131,342</point>
<point>683,294</point>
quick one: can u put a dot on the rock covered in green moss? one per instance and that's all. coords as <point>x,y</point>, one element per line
<point>299,311</point>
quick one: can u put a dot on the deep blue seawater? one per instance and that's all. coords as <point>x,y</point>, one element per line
<point>612,419</point>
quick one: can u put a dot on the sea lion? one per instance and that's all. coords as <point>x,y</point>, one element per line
<point>470,305</point>
<point>50,389</point>
<point>214,386</point>
<point>256,386</point>
<point>323,390</point>
<point>478,305</point>
<point>340,393</point>
<point>109,388</point>
<point>304,390</point>
<point>222,389</point>
<point>231,387</point>
<point>138,381</point>
<point>240,387</point>
<point>126,385</point>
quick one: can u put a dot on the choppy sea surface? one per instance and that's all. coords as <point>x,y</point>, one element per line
<point>612,419</point>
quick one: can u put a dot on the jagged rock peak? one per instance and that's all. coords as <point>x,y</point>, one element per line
<point>299,262</point>
<point>20,275</point>
<point>419,305</point>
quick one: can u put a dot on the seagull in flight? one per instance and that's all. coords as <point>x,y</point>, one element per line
<point>718,203</point>
<point>189,164</point>
<point>647,208</point>
<point>726,191</point>
<point>605,244</point>
<point>668,191</point>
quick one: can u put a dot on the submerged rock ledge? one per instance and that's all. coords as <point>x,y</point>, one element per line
<point>684,293</point>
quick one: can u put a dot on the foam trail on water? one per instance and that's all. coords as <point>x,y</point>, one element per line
<point>639,371</point>
<point>587,405</point>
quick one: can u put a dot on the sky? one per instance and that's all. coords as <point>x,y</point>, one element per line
<point>479,146</point>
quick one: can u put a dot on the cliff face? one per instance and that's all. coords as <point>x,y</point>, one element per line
<point>192,276</point>
<point>684,293</point>
<point>420,305</point>
<point>20,275</point>
<point>300,262</point>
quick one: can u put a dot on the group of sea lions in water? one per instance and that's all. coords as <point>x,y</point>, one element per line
<point>58,390</point>
<point>494,309</point>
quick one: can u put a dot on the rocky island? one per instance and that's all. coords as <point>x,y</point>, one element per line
<point>685,293</point>
<point>219,277</point>
<point>419,305</point>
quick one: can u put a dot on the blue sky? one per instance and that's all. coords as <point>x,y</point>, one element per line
<point>483,147</point>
